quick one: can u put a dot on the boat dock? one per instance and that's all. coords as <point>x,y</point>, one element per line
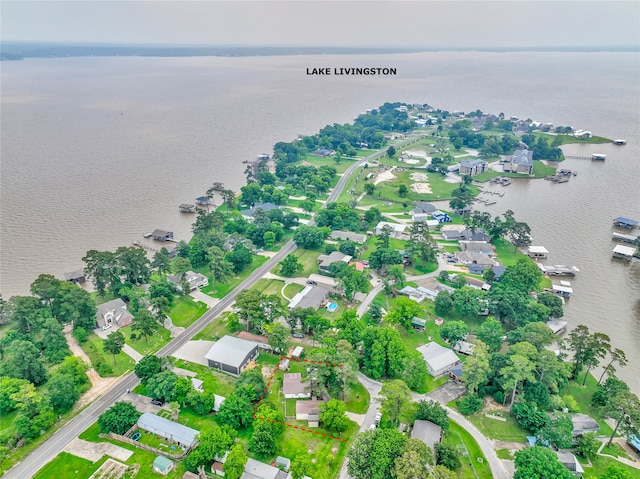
<point>624,238</point>
<point>217,186</point>
<point>622,222</point>
<point>558,270</point>
<point>624,252</point>
<point>187,208</point>
<point>560,290</point>
<point>595,156</point>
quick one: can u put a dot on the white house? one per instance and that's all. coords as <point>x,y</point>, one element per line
<point>438,358</point>
<point>397,230</point>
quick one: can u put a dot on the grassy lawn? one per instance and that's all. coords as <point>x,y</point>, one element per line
<point>185,311</point>
<point>615,450</point>
<point>150,344</point>
<point>541,170</point>
<point>216,328</point>
<point>93,348</point>
<point>225,288</point>
<point>67,465</point>
<point>566,139</point>
<point>503,431</point>
<point>582,394</point>
<point>441,190</point>
<point>600,465</point>
<point>269,286</point>
<point>504,454</point>
<point>506,252</point>
<point>291,289</point>
<point>458,436</point>
<point>357,398</point>
<point>142,459</point>
<point>309,260</point>
<point>342,307</point>
<point>214,381</point>
<point>340,167</point>
<point>6,426</point>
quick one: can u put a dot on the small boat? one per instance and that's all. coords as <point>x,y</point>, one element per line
<point>598,157</point>
<point>147,235</point>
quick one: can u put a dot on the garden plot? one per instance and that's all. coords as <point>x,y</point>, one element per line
<point>420,185</point>
<point>111,469</point>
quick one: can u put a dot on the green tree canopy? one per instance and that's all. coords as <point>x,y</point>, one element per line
<point>119,418</point>
<point>373,453</point>
<point>539,463</point>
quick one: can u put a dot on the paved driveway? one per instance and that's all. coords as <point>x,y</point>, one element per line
<point>194,351</point>
<point>447,392</point>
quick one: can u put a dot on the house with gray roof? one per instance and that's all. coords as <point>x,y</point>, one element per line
<point>310,297</point>
<point>259,470</point>
<point>169,430</point>
<point>423,207</point>
<point>113,313</point>
<point>473,167</point>
<point>583,424</point>
<point>467,258</point>
<point>438,358</point>
<point>428,432</point>
<point>326,260</point>
<point>231,354</point>
<point>477,247</point>
<point>248,214</point>
<point>194,280</point>
<point>348,235</point>
<point>521,162</point>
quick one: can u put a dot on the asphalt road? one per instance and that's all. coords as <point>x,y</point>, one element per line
<point>56,443</point>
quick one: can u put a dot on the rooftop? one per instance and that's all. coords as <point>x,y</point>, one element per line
<point>437,356</point>
<point>292,384</point>
<point>624,250</point>
<point>427,432</point>
<point>230,350</point>
<point>168,429</point>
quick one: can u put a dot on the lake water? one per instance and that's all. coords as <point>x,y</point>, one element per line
<point>98,151</point>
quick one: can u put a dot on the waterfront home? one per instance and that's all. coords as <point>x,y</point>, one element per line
<point>162,235</point>
<point>624,252</point>
<point>112,313</point>
<point>194,280</point>
<point>232,355</point>
<point>439,359</point>
<point>622,222</point>
<point>427,432</point>
<point>294,388</point>
<point>310,297</point>
<point>477,247</point>
<point>326,260</point>
<point>521,162</point>
<point>169,430</point>
<point>323,152</point>
<point>537,252</point>
<point>473,167</point>
<point>248,214</point>
<point>468,258</point>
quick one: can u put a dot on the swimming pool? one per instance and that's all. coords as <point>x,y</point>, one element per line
<point>331,307</point>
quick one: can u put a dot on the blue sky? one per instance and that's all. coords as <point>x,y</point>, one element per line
<point>426,24</point>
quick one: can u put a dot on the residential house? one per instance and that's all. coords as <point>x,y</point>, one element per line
<point>309,411</point>
<point>263,341</point>
<point>570,461</point>
<point>477,283</point>
<point>294,388</point>
<point>452,232</point>
<point>521,162</point>
<point>476,235</point>
<point>424,208</point>
<point>418,294</point>
<point>310,297</point>
<point>194,280</point>
<point>468,258</point>
<point>169,430</point>
<point>463,347</point>
<point>163,465</point>
<point>326,260</point>
<point>438,358</point>
<point>473,167</point>
<point>428,432</point>
<point>162,235</point>
<point>323,152</point>
<point>231,354</point>
<point>248,214</point>
<point>397,230</point>
<point>112,313</point>
<point>477,247</point>
<point>583,424</point>
<point>477,268</point>
<point>499,271</point>
<point>348,235</point>
<point>259,470</point>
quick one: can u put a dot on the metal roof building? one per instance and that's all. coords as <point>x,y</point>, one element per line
<point>438,358</point>
<point>170,430</point>
<point>231,354</point>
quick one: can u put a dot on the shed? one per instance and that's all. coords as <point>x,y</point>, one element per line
<point>218,401</point>
<point>283,462</point>
<point>438,358</point>
<point>170,430</point>
<point>163,465</point>
<point>418,323</point>
<point>231,354</point>
<point>297,352</point>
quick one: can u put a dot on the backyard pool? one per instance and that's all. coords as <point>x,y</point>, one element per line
<point>331,307</point>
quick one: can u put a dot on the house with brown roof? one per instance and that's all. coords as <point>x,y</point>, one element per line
<point>113,313</point>
<point>309,411</point>
<point>294,388</point>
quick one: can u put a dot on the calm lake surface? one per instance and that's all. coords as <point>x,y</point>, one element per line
<point>98,151</point>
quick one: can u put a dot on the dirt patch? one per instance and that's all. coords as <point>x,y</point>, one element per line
<point>99,385</point>
<point>93,451</point>
<point>111,469</point>
<point>421,188</point>
<point>490,405</point>
<point>419,177</point>
<point>384,176</point>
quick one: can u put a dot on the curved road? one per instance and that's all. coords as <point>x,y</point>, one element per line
<point>63,436</point>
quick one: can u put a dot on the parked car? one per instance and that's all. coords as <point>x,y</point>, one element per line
<point>312,283</point>
<point>378,418</point>
<point>157,402</point>
<point>298,335</point>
